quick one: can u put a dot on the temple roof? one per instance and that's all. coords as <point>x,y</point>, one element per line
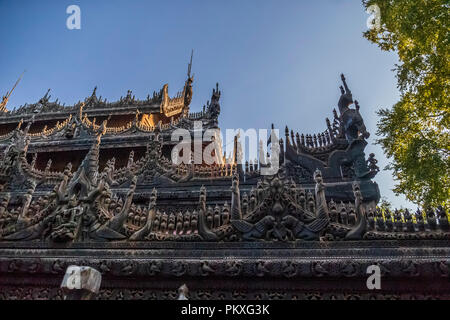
<point>158,102</point>
<point>92,103</point>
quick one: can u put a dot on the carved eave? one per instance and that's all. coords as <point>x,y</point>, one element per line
<point>89,127</point>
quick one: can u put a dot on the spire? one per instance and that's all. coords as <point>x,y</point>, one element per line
<point>5,98</point>
<point>188,85</point>
<point>190,65</point>
<point>269,141</point>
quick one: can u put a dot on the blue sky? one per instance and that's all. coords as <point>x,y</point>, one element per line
<point>276,61</point>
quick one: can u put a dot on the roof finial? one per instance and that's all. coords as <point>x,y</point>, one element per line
<point>190,65</point>
<point>5,99</point>
<point>347,90</point>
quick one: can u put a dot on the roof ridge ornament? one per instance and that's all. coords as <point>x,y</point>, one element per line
<point>45,98</point>
<point>190,66</point>
<point>347,90</point>
<point>5,98</point>
<point>346,98</point>
<point>353,123</point>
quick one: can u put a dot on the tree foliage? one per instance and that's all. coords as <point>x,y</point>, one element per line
<point>415,133</point>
